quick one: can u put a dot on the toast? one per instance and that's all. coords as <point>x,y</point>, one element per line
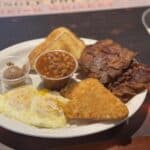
<point>60,38</point>
<point>89,99</point>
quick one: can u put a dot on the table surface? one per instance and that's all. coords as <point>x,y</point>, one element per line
<point>123,26</point>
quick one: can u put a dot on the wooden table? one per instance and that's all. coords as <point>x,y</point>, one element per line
<point>123,26</point>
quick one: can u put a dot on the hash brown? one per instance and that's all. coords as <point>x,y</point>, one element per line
<point>91,100</point>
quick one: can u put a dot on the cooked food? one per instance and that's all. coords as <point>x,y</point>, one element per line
<point>56,68</point>
<point>10,63</point>
<point>1,106</point>
<point>13,72</point>
<point>133,81</point>
<point>56,64</point>
<point>34,107</point>
<point>60,38</point>
<point>105,60</point>
<point>91,100</point>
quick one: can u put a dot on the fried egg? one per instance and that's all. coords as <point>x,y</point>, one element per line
<point>34,107</point>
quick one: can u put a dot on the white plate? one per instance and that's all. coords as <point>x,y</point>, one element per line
<point>22,49</point>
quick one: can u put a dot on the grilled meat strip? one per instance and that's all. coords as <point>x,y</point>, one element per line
<point>105,60</point>
<point>134,80</point>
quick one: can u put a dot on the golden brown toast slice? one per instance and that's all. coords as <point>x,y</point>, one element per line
<point>91,100</point>
<point>60,38</point>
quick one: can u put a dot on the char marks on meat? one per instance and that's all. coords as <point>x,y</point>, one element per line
<point>132,81</point>
<point>105,60</point>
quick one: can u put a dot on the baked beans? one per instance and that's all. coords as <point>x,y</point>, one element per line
<point>55,64</point>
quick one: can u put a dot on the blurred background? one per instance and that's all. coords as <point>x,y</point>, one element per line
<point>36,7</point>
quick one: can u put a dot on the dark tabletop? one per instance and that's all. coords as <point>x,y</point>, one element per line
<point>123,26</point>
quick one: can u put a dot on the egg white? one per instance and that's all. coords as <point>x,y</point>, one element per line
<point>33,107</point>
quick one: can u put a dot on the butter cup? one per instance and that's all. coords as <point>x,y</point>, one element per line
<point>56,83</point>
<point>19,80</point>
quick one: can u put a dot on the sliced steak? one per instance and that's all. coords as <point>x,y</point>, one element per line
<point>131,82</point>
<point>105,60</point>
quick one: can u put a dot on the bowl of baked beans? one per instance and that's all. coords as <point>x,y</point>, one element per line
<point>56,67</point>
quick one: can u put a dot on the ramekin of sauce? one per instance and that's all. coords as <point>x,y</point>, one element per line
<point>14,72</point>
<point>56,67</point>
